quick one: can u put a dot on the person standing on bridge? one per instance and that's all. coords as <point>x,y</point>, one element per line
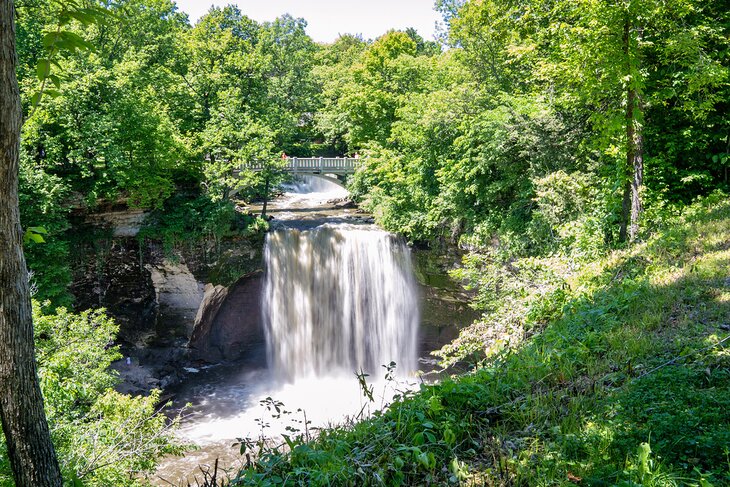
<point>284,156</point>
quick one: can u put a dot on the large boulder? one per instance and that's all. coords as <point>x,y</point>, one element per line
<point>229,322</point>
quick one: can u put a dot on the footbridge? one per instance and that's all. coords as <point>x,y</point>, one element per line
<point>339,166</point>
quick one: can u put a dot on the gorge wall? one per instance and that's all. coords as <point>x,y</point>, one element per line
<point>155,296</point>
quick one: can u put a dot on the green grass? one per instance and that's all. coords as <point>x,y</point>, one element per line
<point>623,379</point>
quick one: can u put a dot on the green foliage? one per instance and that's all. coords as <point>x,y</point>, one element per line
<point>73,350</point>
<point>448,172</point>
<point>102,437</point>
<point>528,89</point>
<point>459,141</point>
<point>570,215</point>
<point>108,132</point>
<point>124,146</point>
<point>157,104</point>
<point>187,220</point>
<point>154,107</point>
<point>60,40</point>
<point>44,216</point>
<point>364,90</point>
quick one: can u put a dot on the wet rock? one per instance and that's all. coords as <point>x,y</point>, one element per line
<point>342,203</point>
<point>213,299</point>
<point>135,379</point>
<point>116,280</point>
<point>154,294</point>
<point>229,322</point>
<point>144,369</point>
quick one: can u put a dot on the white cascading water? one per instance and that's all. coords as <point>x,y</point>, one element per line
<point>338,299</point>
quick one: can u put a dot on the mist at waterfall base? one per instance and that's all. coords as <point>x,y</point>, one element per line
<point>339,299</point>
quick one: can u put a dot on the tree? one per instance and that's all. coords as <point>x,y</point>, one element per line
<point>21,404</point>
<point>333,73</point>
<point>232,141</point>
<point>609,64</point>
<point>362,98</point>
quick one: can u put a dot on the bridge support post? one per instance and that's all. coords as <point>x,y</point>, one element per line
<point>320,165</point>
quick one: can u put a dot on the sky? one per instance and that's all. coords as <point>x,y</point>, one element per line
<point>328,18</point>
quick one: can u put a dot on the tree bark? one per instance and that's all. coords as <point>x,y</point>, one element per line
<point>30,450</point>
<point>634,174</point>
<point>635,157</point>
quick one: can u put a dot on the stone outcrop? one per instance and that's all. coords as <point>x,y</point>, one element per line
<point>205,317</point>
<point>229,323</point>
<point>178,296</point>
<point>123,223</point>
<point>152,293</point>
<point>155,293</point>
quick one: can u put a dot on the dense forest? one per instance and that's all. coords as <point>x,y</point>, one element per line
<point>577,151</point>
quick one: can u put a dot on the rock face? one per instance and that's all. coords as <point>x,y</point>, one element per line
<point>154,294</point>
<point>178,296</point>
<point>124,223</point>
<point>115,279</point>
<point>229,323</point>
<point>205,317</point>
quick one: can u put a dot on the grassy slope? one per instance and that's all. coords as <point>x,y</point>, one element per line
<point>628,383</point>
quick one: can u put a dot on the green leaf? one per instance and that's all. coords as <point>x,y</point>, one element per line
<point>34,234</point>
<point>83,16</point>
<point>43,69</point>
<point>50,39</point>
<point>55,80</point>
<point>71,41</point>
<point>35,99</point>
<point>33,237</point>
<point>449,436</point>
<point>64,18</point>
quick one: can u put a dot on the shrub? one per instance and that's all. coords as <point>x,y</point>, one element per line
<point>102,437</point>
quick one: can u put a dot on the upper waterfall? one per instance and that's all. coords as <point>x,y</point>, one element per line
<point>338,299</point>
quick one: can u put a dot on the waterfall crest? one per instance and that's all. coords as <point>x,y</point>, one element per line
<point>337,299</point>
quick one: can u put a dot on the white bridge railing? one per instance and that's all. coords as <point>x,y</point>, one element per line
<point>318,165</point>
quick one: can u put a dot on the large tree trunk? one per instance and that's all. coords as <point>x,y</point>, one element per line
<point>635,160</point>
<point>21,405</point>
<point>634,174</point>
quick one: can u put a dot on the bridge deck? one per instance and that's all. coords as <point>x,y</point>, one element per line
<point>316,165</point>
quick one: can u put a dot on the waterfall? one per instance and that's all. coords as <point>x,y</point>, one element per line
<point>338,299</point>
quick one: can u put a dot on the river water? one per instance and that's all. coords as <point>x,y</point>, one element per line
<point>340,300</point>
